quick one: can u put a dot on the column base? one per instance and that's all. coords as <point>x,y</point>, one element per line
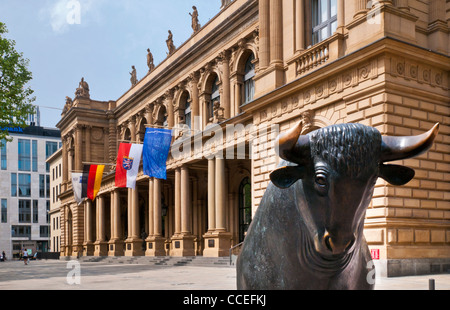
<point>101,248</point>
<point>155,246</point>
<point>182,246</point>
<point>217,244</point>
<point>116,248</point>
<point>88,249</point>
<point>133,247</point>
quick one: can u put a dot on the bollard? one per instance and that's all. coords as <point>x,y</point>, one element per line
<point>431,285</point>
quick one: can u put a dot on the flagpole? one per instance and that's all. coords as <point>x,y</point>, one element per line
<point>135,142</point>
<point>99,164</point>
<point>171,128</point>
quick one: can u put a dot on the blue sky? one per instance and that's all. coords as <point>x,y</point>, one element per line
<point>111,36</point>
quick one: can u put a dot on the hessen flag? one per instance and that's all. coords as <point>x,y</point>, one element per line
<point>156,151</point>
<point>91,181</point>
<point>77,185</point>
<point>127,167</point>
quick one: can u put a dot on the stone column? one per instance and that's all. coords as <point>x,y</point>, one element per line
<point>226,97</point>
<point>276,32</point>
<point>211,195</point>
<point>101,247</point>
<point>134,242</point>
<point>155,240</point>
<point>89,242</point>
<point>299,25</point>
<point>218,241</point>
<point>264,33</point>
<point>185,202</point>
<point>183,242</point>
<point>340,16</point>
<point>220,195</point>
<point>361,8</point>
<point>65,164</point>
<point>78,148</point>
<point>116,245</point>
<point>87,134</point>
<point>177,201</point>
<point>170,111</point>
<point>195,103</point>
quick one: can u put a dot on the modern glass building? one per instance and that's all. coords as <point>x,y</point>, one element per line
<point>25,189</point>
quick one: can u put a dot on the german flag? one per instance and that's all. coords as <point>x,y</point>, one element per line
<point>92,180</point>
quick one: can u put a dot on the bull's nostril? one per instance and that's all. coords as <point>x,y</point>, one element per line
<point>328,243</point>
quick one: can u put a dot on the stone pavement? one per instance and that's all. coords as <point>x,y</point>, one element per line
<point>63,275</point>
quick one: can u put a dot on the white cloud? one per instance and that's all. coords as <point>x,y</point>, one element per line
<point>64,14</point>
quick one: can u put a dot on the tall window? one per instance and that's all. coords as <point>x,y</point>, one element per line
<point>324,19</point>
<point>187,113</point>
<point>14,184</point>
<point>24,185</point>
<point>35,211</point>
<point>34,156</point>
<point>24,211</point>
<point>249,83</point>
<point>245,208</point>
<point>4,211</point>
<point>215,96</point>
<point>50,149</point>
<point>24,155</point>
<point>4,158</point>
<point>42,186</point>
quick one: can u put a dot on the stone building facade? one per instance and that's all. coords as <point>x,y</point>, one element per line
<point>255,69</point>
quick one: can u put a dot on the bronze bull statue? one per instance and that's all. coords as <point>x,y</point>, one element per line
<point>308,230</point>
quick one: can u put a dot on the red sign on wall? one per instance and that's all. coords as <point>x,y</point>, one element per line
<point>375,253</point>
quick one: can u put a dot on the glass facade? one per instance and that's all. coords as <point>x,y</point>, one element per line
<point>24,155</point>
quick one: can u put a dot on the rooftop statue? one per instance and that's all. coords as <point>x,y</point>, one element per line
<point>195,23</point>
<point>308,230</point>
<point>82,90</point>
<point>150,63</point>
<point>133,78</point>
<point>170,44</point>
<point>225,3</point>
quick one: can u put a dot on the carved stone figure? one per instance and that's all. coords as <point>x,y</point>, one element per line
<point>133,78</point>
<point>150,63</point>
<point>225,3</point>
<point>195,23</point>
<point>68,105</point>
<point>308,230</point>
<point>170,44</point>
<point>218,112</point>
<point>82,90</point>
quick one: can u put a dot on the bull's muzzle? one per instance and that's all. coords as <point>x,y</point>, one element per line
<point>331,245</point>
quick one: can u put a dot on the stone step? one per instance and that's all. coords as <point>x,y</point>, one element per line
<point>160,261</point>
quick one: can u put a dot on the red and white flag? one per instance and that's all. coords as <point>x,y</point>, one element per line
<point>127,167</point>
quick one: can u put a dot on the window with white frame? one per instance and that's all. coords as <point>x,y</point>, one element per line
<point>249,83</point>
<point>324,19</point>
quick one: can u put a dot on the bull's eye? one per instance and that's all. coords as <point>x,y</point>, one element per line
<point>321,180</point>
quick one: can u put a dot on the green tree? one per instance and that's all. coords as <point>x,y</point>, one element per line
<point>15,97</point>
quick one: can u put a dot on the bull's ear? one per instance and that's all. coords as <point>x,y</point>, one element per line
<point>396,175</point>
<point>285,177</point>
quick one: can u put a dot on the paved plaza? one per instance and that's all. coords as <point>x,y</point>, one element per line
<point>64,275</point>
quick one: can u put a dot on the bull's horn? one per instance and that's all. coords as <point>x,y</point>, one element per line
<point>397,148</point>
<point>287,142</point>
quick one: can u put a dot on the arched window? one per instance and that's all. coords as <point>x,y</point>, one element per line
<point>249,83</point>
<point>215,97</point>
<point>245,207</point>
<point>187,110</point>
<point>127,136</point>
